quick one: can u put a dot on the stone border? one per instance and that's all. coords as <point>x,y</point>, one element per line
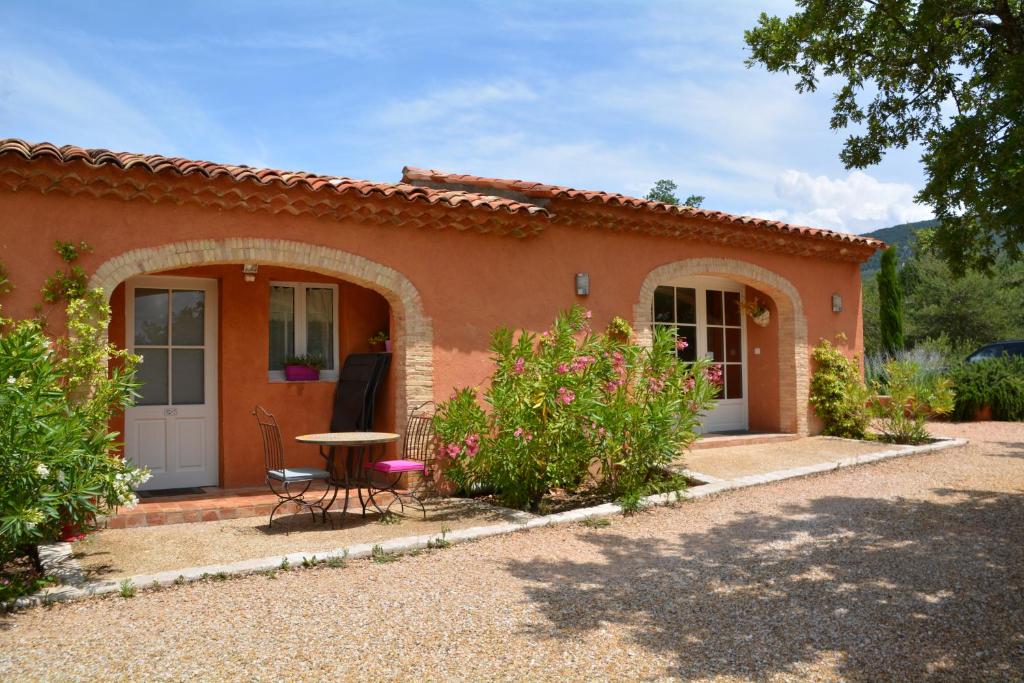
<point>413,357</point>
<point>522,521</point>
<point>794,382</point>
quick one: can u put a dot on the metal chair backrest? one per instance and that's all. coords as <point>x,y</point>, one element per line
<point>273,448</point>
<point>420,439</point>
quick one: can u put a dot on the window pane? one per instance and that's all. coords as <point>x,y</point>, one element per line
<point>152,375</point>
<point>151,316</point>
<point>689,332</point>
<point>714,301</point>
<point>664,305</point>
<point>686,305</point>
<point>732,308</point>
<point>282,325</point>
<point>320,324</point>
<point>716,347</point>
<point>733,347</point>
<point>187,318</point>
<point>734,381</point>
<point>187,376</point>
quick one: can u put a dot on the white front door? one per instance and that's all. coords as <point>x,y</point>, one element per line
<point>706,311</point>
<point>171,322</point>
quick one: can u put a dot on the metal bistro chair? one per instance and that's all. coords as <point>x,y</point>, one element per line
<point>280,477</point>
<point>419,453</point>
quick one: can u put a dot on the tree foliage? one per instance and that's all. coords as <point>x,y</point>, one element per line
<point>664,191</point>
<point>890,304</point>
<point>945,74</point>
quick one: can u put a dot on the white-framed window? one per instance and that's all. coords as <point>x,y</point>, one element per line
<point>303,321</point>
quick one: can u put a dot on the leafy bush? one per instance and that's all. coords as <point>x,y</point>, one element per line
<point>570,408</point>
<point>995,382</point>
<point>929,361</point>
<point>838,395</point>
<point>913,396</point>
<point>58,463</point>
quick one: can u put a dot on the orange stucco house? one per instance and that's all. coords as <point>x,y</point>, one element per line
<point>438,260</point>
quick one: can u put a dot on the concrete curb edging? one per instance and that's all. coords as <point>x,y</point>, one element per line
<point>65,567</point>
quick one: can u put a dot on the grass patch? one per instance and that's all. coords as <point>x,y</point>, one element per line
<point>380,556</point>
<point>128,589</point>
<point>389,517</point>
<point>596,522</point>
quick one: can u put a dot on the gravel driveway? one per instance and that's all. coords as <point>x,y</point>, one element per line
<point>903,570</point>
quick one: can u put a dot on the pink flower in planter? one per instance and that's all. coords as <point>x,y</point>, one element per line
<point>714,373</point>
<point>521,433</point>
<point>689,384</point>
<point>565,396</point>
<point>682,344</point>
<point>611,387</point>
<point>472,445</point>
<point>453,450</point>
<point>519,366</point>
<point>655,385</point>
<point>562,368</point>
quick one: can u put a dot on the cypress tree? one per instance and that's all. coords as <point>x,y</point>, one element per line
<point>890,303</point>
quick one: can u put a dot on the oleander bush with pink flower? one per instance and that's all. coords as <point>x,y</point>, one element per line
<point>571,408</point>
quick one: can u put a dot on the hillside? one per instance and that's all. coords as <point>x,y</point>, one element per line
<point>899,236</point>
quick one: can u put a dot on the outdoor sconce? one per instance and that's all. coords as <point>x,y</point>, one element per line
<point>249,271</point>
<point>582,284</point>
<point>837,303</point>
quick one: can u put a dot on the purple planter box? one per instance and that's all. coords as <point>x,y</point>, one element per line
<point>301,373</point>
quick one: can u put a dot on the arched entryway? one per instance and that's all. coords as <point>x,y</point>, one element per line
<point>791,338</point>
<point>411,334</point>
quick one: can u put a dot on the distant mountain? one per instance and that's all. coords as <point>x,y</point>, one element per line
<point>899,236</point>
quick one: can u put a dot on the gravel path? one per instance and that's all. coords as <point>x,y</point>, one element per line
<point>903,570</point>
<point>730,462</point>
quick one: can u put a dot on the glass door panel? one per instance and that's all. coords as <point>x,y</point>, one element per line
<point>169,337</point>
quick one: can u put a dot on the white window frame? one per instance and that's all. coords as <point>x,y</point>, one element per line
<point>300,326</point>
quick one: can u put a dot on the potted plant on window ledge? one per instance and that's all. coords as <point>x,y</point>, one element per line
<point>303,368</point>
<point>379,339</point>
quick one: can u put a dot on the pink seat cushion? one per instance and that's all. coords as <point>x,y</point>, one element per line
<point>395,465</point>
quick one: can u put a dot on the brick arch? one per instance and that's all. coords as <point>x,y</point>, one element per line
<point>413,333</point>
<point>793,360</point>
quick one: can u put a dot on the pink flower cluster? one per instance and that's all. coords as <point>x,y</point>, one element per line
<point>519,366</point>
<point>682,344</point>
<point>619,367</point>
<point>521,433</point>
<point>714,374</point>
<point>656,384</point>
<point>689,383</point>
<point>454,450</point>
<point>565,395</point>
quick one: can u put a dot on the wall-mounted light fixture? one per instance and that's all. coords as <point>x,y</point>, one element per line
<point>582,284</point>
<point>837,303</point>
<point>249,271</point>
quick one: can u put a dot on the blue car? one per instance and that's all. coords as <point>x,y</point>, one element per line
<point>1011,347</point>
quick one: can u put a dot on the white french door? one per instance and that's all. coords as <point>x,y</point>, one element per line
<point>706,311</point>
<point>171,322</point>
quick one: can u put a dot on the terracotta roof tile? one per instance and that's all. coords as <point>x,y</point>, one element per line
<point>157,164</point>
<point>535,190</point>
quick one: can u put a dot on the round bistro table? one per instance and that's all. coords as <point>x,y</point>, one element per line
<point>352,469</point>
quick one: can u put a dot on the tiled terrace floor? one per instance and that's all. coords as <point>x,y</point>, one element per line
<point>212,505</point>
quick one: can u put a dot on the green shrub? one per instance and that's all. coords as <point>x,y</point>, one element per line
<point>913,396</point>
<point>838,394</point>
<point>570,404</point>
<point>58,459</point>
<point>995,382</point>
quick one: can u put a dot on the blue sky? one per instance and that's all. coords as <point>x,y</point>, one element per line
<point>595,95</point>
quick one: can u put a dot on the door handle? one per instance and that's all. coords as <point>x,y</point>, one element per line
<point>170,412</point>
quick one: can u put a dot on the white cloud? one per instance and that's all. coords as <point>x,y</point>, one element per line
<point>47,100</point>
<point>463,102</point>
<point>856,203</point>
